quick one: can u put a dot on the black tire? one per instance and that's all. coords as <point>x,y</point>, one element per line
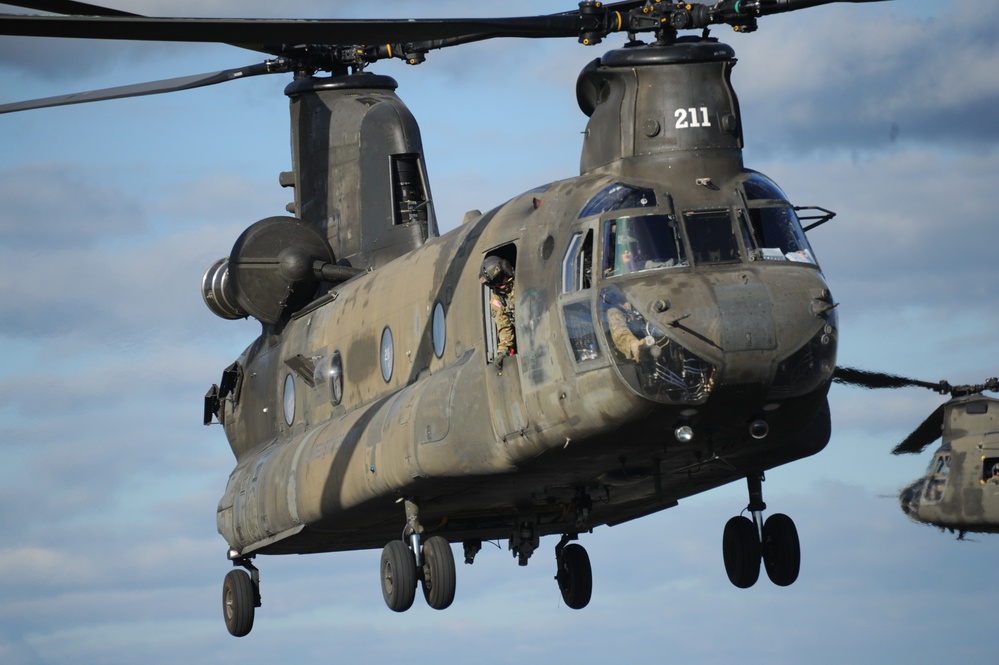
<point>239,600</point>
<point>398,573</point>
<point>438,573</point>
<point>781,549</point>
<point>575,577</point>
<point>741,551</point>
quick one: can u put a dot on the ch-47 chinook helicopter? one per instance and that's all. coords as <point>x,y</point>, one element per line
<point>674,332</point>
<point>960,490</point>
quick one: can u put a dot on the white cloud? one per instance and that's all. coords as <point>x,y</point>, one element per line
<point>836,81</point>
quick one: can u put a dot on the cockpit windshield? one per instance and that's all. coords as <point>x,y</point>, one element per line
<point>711,237</point>
<point>648,242</point>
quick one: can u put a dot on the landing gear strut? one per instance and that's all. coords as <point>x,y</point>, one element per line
<point>430,561</point>
<point>746,542</point>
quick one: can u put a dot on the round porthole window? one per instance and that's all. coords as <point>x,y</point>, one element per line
<point>387,354</point>
<point>289,399</point>
<point>439,330</point>
<point>336,378</point>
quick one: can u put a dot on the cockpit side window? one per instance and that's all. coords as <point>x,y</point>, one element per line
<point>577,265</point>
<point>772,231</point>
<point>649,242</point>
<point>777,235</point>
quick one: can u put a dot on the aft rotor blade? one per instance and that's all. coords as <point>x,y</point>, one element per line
<point>70,7</point>
<point>73,8</point>
<point>929,431</point>
<point>149,88</point>
<point>286,31</point>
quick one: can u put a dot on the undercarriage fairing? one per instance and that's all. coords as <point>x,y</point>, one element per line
<point>652,471</point>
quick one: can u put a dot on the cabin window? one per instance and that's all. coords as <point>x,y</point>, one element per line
<point>336,378</point>
<point>289,399</point>
<point>387,354</point>
<point>577,266</point>
<point>648,242</point>
<point>438,329</point>
<point>330,369</point>
<point>617,197</point>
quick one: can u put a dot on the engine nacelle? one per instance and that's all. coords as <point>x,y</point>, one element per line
<point>216,289</point>
<point>272,271</point>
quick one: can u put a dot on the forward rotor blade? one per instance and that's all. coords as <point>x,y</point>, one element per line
<point>778,6</point>
<point>149,88</point>
<point>875,380</point>
<point>929,431</point>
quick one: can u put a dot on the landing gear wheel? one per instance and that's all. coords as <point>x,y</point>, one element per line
<point>239,599</point>
<point>741,550</point>
<point>575,577</point>
<point>398,573</point>
<point>781,549</point>
<point>438,573</point>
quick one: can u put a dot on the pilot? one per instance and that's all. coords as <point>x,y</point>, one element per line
<point>497,274</point>
<point>629,257</point>
<point>995,474</point>
<point>626,256</point>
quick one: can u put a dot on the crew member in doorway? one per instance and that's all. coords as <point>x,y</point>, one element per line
<point>497,274</point>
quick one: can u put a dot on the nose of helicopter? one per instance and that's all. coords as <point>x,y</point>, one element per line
<point>908,497</point>
<point>692,336</point>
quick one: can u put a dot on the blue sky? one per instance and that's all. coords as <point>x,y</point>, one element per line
<point>111,213</point>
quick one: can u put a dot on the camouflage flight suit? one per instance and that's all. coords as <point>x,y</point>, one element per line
<point>621,333</point>
<point>501,306</point>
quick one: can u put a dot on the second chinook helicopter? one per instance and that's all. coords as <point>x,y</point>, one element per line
<point>960,491</point>
<point>369,408</point>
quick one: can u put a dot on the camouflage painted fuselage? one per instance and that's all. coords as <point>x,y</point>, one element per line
<point>382,389</point>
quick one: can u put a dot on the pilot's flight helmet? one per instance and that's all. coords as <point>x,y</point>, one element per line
<point>495,270</point>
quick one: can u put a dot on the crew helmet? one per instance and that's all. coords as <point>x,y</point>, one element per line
<point>495,270</point>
